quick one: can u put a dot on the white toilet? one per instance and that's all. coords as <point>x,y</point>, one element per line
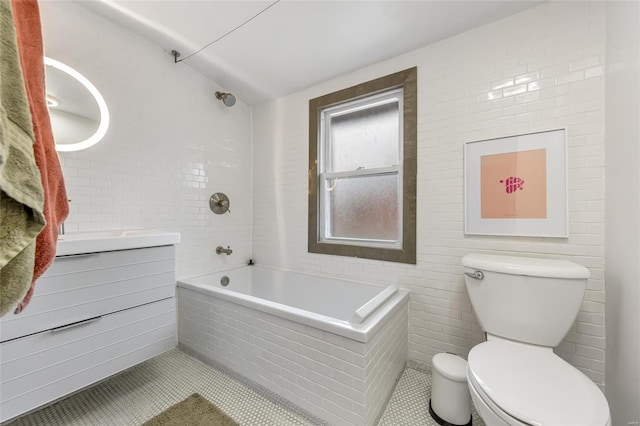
<point>526,306</point>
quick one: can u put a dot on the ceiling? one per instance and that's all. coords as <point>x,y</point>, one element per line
<point>295,44</point>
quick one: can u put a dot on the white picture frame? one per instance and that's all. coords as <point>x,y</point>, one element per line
<point>517,185</point>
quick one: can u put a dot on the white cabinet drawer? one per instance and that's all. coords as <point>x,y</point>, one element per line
<point>79,287</point>
<point>43,367</point>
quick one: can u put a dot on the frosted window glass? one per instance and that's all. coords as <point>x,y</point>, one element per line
<point>364,207</point>
<point>367,138</point>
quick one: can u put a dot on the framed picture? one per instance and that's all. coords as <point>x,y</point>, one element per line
<point>517,185</point>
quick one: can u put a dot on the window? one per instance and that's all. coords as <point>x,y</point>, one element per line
<point>362,170</point>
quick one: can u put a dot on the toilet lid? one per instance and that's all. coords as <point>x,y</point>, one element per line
<point>535,386</point>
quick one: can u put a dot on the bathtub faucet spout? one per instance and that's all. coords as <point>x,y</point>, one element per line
<point>222,250</point>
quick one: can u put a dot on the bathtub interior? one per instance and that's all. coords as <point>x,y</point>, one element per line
<point>338,299</point>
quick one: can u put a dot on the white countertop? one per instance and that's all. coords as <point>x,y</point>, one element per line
<point>92,242</point>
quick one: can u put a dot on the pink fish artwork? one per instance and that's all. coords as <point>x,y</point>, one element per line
<point>512,184</point>
<point>503,192</point>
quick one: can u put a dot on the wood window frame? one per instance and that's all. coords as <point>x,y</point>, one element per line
<point>407,80</point>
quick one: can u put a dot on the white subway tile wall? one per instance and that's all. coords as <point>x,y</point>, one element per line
<point>340,380</point>
<point>539,70</point>
<point>170,145</point>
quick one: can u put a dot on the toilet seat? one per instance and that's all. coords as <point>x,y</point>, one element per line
<point>533,386</point>
<point>488,410</point>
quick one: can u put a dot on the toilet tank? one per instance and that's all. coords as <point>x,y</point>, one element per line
<point>530,300</point>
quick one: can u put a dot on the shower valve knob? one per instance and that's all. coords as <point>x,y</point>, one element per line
<point>219,203</point>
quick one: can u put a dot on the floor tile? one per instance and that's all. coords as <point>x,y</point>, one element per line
<point>138,394</point>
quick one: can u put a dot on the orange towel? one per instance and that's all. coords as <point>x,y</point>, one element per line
<point>56,206</point>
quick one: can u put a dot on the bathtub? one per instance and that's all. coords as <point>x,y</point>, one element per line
<point>334,348</point>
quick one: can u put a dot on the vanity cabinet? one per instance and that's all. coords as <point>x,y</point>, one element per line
<point>91,316</point>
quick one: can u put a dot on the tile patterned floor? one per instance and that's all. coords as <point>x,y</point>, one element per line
<point>136,395</point>
<point>409,403</point>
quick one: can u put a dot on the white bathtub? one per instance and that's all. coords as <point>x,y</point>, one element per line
<point>332,347</point>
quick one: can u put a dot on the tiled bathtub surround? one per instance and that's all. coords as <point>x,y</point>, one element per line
<point>339,380</point>
<point>538,70</point>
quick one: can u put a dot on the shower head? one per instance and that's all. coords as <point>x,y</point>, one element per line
<point>227,98</point>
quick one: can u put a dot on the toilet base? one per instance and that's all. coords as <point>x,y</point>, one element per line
<point>443,422</point>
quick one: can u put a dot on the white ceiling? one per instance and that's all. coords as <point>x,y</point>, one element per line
<point>296,44</point>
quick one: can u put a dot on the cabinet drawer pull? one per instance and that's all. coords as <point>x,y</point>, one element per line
<point>75,324</point>
<point>75,256</point>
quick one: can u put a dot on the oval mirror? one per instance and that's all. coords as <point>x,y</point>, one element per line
<point>79,114</point>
